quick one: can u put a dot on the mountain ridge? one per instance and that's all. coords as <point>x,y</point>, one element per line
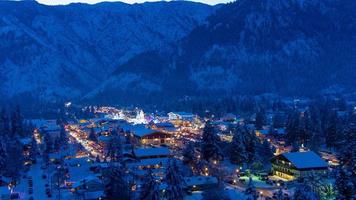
<point>61,52</point>
<point>291,47</point>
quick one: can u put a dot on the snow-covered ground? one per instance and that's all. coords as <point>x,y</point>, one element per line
<point>23,188</point>
<point>232,192</point>
<point>256,181</point>
<point>39,184</point>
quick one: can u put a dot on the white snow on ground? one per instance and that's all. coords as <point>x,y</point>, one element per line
<point>39,191</point>
<point>39,188</point>
<point>233,193</point>
<point>35,173</point>
<point>257,182</point>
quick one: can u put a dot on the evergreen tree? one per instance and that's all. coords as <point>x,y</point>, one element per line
<point>327,192</point>
<point>33,149</point>
<point>189,154</point>
<point>313,181</point>
<point>14,159</point>
<point>238,154</point>
<point>347,153</point>
<point>292,127</point>
<point>250,192</point>
<point>331,130</point>
<point>210,148</point>
<point>116,185</point>
<point>45,158</point>
<point>278,121</point>
<point>346,173</point>
<point>3,158</point>
<point>303,192</point>
<point>307,128</point>
<point>201,166</point>
<point>150,188</point>
<point>63,137</point>
<point>316,137</point>
<point>48,143</point>
<point>295,147</point>
<point>116,148</point>
<point>251,143</point>
<point>279,195</point>
<point>17,123</point>
<point>4,123</point>
<point>175,182</point>
<point>92,135</point>
<point>57,144</point>
<point>265,152</point>
<point>260,119</point>
<point>345,184</point>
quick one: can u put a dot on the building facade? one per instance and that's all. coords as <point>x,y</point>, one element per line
<point>295,165</point>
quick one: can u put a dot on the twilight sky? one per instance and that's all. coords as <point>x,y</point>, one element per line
<point>62,2</point>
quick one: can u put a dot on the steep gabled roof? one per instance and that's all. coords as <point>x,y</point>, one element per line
<point>305,160</point>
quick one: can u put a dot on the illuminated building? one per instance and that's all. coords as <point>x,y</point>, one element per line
<point>298,164</point>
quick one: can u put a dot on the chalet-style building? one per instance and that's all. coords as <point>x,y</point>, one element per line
<point>147,136</point>
<point>182,118</point>
<point>149,158</point>
<point>298,164</point>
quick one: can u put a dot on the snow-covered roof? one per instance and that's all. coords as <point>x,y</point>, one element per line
<point>200,180</point>
<point>304,160</point>
<point>159,151</point>
<point>138,130</point>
